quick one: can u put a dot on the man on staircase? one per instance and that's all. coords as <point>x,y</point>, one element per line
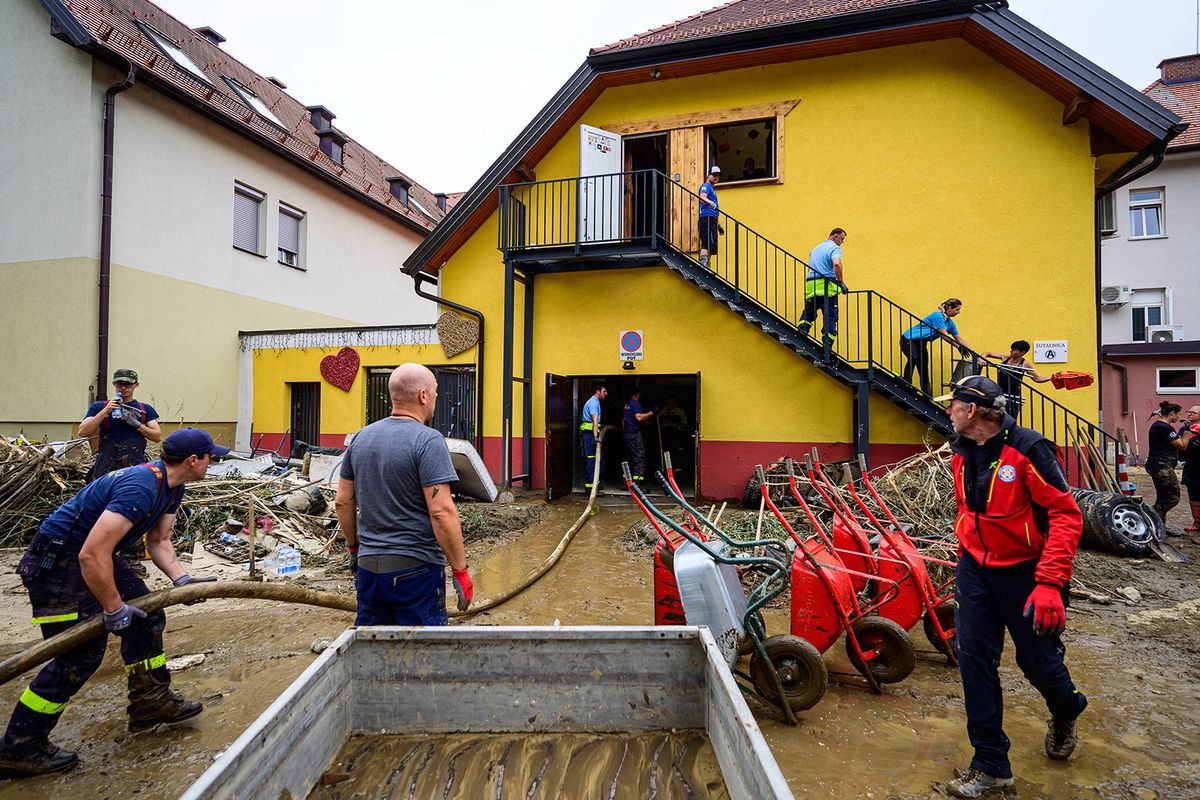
<point>822,284</point>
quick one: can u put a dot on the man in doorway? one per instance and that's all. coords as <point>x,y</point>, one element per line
<point>822,285</point>
<point>590,426</point>
<point>124,426</point>
<point>710,216</point>
<point>73,571</point>
<point>1018,526</point>
<point>631,425</point>
<point>396,514</point>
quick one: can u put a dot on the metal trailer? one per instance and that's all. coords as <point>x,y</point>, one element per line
<point>460,679</point>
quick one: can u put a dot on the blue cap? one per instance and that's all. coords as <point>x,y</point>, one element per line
<point>192,442</point>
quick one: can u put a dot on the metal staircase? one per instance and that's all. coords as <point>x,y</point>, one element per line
<point>643,218</point>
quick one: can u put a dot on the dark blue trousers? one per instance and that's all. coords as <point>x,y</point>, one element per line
<point>412,596</point>
<point>589,452</point>
<point>987,601</point>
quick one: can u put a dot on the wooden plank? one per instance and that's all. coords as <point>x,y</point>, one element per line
<point>720,116</point>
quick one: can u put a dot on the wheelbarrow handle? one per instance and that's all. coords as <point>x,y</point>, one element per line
<point>760,474</point>
<point>791,468</point>
<point>808,462</point>
<point>666,459</point>
<point>626,471</point>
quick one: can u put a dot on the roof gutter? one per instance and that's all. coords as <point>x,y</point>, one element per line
<point>422,278</point>
<point>106,203</point>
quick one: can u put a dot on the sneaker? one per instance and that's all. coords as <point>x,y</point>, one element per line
<point>1060,739</point>
<point>704,261</point>
<point>974,783</point>
<point>39,761</point>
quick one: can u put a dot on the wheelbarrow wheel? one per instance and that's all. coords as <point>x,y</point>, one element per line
<point>896,658</point>
<point>945,618</point>
<point>801,670</point>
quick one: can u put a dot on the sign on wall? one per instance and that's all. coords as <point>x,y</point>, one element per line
<point>632,346</point>
<point>1050,352</point>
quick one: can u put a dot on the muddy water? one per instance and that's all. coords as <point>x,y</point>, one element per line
<point>566,766</point>
<point>1139,738</point>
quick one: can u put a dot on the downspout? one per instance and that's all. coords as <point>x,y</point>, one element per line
<point>1121,368</point>
<point>106,197</point>
<point>421,278</point>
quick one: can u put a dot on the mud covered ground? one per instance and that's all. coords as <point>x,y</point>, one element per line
<point>1139,664</point>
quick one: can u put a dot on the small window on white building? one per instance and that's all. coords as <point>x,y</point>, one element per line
<point>1145,213</point>
<point>290,222</point>
<point>173,51</point>
<point>248,219</point>
<point>1144,316</point>
<point>254,101</point>
<point>1178,380</point>
<point>1108,215</point>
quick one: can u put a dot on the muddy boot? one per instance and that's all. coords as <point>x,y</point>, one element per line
<point>151,701</point>
<point>1195,526</point>
<point>26,751</point>
<point>974,783</point>
<point>1060,739</point>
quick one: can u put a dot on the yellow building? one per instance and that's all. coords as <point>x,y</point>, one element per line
<point>962,149</point>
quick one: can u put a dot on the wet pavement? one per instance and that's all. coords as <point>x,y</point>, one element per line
<point>1139,666</point>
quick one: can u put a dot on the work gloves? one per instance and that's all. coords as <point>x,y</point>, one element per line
<point>353,560</point>
<point>132,418</point>
<point>464,586</point>
<point>1195,428</point>
<point>185,579</point>
<point>118,621</point>
<point>1045,607</point>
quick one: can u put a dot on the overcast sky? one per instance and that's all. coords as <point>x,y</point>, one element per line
<point>441,88</point>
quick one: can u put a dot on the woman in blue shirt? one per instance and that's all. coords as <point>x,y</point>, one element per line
<point>914,342</point>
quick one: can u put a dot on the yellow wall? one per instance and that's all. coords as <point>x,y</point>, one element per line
<point>341,411</point>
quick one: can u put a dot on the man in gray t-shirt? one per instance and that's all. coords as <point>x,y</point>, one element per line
<point>396,513</point>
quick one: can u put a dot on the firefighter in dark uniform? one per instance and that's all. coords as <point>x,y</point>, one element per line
<point>73,571</point>
<point>124,426</point>
<point>632,417</point>
<point>1017,526</point>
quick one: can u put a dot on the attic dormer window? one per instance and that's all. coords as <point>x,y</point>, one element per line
<point>399,187</point>
<point>172,50</point>
<point>320,117</point>
<point>332,144</point>
<point>254,101</point>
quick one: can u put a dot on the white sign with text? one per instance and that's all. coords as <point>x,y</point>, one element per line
<point>633,347</point>
<point>1050,352</point>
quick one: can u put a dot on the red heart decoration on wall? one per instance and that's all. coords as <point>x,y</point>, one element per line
<point>340,370</point>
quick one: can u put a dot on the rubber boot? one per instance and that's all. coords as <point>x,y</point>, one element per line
<point>152,702</point>
<point>1195,526</point>
<point>26,751</point>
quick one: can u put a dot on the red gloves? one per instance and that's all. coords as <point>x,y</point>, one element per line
<point>1195,428</point>
<point>353,559</point>
<point>1045,607</point>
<point>464,586</point>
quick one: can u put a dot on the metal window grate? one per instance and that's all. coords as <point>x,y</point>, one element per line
<point>455,413</point>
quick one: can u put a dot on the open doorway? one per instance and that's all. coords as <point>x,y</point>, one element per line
<point>647,207</point>
<point>674,427</point>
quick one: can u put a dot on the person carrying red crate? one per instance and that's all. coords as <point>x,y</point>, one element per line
<point>1018,526</point>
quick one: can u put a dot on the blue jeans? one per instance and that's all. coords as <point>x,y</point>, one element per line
<point>412,596</point>
<point>987,601</point>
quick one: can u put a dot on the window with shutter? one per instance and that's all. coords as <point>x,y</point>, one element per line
<point>247,219</point>
<point>289,235</point>
<point>1108,215</point>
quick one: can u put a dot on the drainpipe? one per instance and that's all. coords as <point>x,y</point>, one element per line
<point>1121,368</point>
<point>110,113</point>
<point>421,278</point>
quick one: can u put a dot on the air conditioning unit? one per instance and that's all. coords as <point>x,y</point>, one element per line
<point>1115,295</point>
<point>1162,334</point>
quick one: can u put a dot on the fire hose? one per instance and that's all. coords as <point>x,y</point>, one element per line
<point>280,592</point>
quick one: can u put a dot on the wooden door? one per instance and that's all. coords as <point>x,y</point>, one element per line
<point>560,437</point>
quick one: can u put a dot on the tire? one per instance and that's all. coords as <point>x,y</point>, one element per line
<point>945,618</point>
<point>801,670</point>
<point>896,659</point>
<point>1116,523</point>
<point>752,495</point>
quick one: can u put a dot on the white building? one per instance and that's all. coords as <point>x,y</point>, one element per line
<point>233,207</point>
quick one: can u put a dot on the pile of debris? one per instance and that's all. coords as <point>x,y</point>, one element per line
<point>35,477</point>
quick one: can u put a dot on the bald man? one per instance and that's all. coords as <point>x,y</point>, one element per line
<point>396,514</point>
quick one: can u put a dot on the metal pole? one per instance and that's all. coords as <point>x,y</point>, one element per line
<point>527,390</point>
<point>506,409</point>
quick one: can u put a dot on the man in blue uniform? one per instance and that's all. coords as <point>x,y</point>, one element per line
<point>590,425</point>
<point>710,215</point>
<point>73,571</point>
<point>822,285</point>
<point>631,424</point>
<point>124,426</point>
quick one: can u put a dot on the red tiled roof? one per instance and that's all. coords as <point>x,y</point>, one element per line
<point>112,24</point>
<point>1184,100</point>
<point>743,15</point>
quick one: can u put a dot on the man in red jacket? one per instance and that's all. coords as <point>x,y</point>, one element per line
<point>1017,526</point>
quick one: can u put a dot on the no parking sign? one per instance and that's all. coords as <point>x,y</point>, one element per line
<point>632,346</point>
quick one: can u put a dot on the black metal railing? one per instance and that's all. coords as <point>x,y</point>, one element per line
<point>887,343</point>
